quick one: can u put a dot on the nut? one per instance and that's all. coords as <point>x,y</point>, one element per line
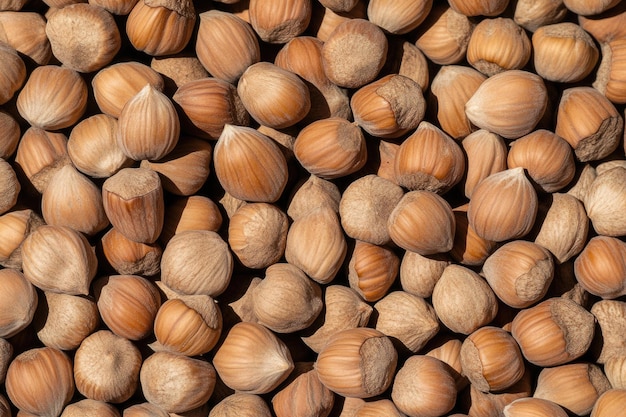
<point>279,21</point>
<point>305,395</point>
<point>444,35</point>
<point>372,270</point>
<point>398,17</point>
<point>601,267</point>
<point>18,302</point>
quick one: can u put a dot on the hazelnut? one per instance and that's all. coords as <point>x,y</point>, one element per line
<point>63,321</point>
<point>533,14</point>
<point>15,226</point>
<point>325,20</point>
<point>479,7</point>
<point>354,53</point>
<point>515,92</point>
<point>419,274</point>
<point>13,72</point>
<point>606,26</point>
<point>133,202</point>
<point>176,383</point>
<point>610,403</point>
<point>18,302</point>
<point>489,211</point>
<point>241,405</point>
<point>469,248</point>
<point>424,386</point>
<point>463,301</point>
<point>83,37</point>
<point>398,17</point>
<point>372,270</point>
<point>40,381</point>
<point>493,403</point>
<point>122,297</point>
<point>197,262</point>
<point>90,408</point>
<point>583,7</point>
<point>519,272</point>
<point>527,407</point>
<point>252,359</point>
<point>444,35</point>
<point>106,367</point>
<point>357,362</point>
<point>429,160</point>
<point>498,45</point>
<point>448,350</point>
<point>53,97</point>
<point>614,369</point>
<point>9,136</point>
<point>116,7</point>
<point>568,44</point>
<point>161,27</point>
<point>92,147</point>
<point>611,317</point>
<point>279,21</point>
<point>179,69</point>
<point>486,154</point>
<point>601,267</point>
<point>365,207</point>
<point>257,234</point>
<point>491,359</point>
<point>422,222</point>
<point>190,213</point>
<point>26,33</point>
<point>59,259</point>
<point>553,332</point>
<point>6,355</point>
<point>604,202</point>
<point>148,125</point>
<point>305,395</point>
<point>9,186</point>
<point>226,45</point>
<point>312,194</point>
<point>249,165</point>
<point>128,257</point>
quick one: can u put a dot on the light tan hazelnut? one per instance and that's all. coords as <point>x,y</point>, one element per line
<point>575,387</point>
<point>128,257</point>
<point>365,206</point>
<point>176,383</point>
<point>190,325</point>
<point>422,222</point>
<point>208,104</point>
<point>40,381</point>
<point>419,274</point>
<point>444,35</point>
<point>447,349</point>
<point>398,17</point>
<point>241,405</point>
<point>610,403</point>
<point>195,212</point>
<point>279,21</point>
<point>479,7</point>
<point>528,407</point>
<point>305,395</point>
<point>241,151</point>
<point>424,386</point>
<point>9,136</point>
<point>286,300</point>
<point>122,297</point>
<point>615,370</point>
<point>6,355</point>
<point>133,202</point>
<point>463,300</point>
<point>407,318</point>
<point>519,272</point>
<point>26,33</point>
<point>553,332</point>
<point>405,58</point>
<point>491,359</point>
<point>13,72</point>
<point>117,7</point>
<point>316,244</point>
<point>568,44</point>
<point>18,302</point>
<point>589,122</point>
<point>537,153</point>
<point>185,169</point>
<point>72,200</point>
<point>606,26</point>
<point>257,234</point>
<point>611,317</point>
<point>489,211</point>
<point>486,154</point>
<point>63,321</point>
<point>493,403</point>
<point>83,37</point>
<point>358,362</point>
<point>429,160</point>
<point>161,27</point>
<point>564,228</point>
<point>197,262</point>
<point>116,84</point>
<point>583,7</point>
<point>313,193</point>
<point>515,92</point>
<point>145,410</point>
<point>372,270</point>
<point>106,367</point>
<point>90,408</point>
<point>59,259</point>
<point>9,186</point>
<point>148,125</point>
<point>324,20</point>
<point>583,179</point>
<point>53,97</point>
<point>452,87</point>
<point>601,267</point>
<point>498,45</point>
<point>354,53</point>
<point>252,359</point>
<point>344,309</point>
<point>15,226</point>
<point>604,202</point>
<point>533,14</point>
<point>226,45</point>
